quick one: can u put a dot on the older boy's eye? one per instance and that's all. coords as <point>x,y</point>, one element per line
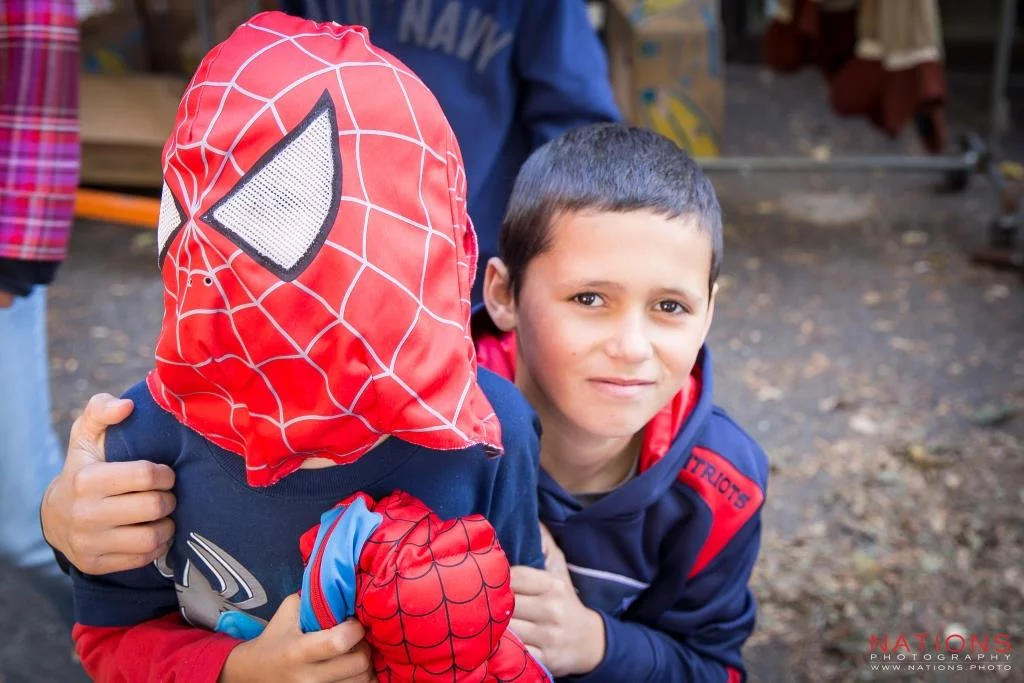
<point>670,307</point>
<point>587,299</point>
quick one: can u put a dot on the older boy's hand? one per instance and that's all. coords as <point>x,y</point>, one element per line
<point>284,654</point>
<point>558,629</point>
<point>107,517</point>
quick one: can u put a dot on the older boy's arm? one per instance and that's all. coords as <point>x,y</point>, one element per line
<point>513,510</point>
<point>105,516</point>
<point>700,638</point>
<point>127,623</point>
<point>563,69</point>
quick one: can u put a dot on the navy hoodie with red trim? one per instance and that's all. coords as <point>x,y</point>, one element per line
<point>666,558</point>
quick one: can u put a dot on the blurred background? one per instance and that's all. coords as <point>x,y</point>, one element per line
<point>869,333</point>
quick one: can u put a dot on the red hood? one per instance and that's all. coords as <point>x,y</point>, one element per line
<point>316,253</point>
<point>496,351</point>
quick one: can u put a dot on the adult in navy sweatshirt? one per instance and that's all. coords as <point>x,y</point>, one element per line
<point>509,75</point>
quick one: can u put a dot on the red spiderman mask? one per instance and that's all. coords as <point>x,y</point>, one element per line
<point>316,254</point>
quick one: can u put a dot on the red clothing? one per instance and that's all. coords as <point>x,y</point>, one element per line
<point>883,60</point>
<point>39,150</point>
<point>164,650</point>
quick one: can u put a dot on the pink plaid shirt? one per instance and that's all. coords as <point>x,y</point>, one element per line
<point>39,151</point>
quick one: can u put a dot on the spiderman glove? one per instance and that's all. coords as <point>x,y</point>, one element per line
<point>434,596</point>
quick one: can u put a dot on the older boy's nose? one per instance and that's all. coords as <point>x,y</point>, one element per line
<point>631,342</point>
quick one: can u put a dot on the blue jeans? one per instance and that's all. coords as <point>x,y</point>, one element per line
<point>30,455</point>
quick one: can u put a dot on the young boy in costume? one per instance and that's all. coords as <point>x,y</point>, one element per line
<point>317,259</point>
<point>652,495</point>
<point>599,307</point>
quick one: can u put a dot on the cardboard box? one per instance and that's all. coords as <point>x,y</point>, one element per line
<point>667,69</point>
<point>125,121</point>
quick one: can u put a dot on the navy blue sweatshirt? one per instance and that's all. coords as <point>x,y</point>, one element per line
<point>666,558</point>
<point>237,547</point>
<point>509,75</point>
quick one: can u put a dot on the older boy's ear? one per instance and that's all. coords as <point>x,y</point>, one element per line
<point>498,298</point>
<point>712,297</point>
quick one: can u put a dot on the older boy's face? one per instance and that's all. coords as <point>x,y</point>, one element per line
<point>611,318</point>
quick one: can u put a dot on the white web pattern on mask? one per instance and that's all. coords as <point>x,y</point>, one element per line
<point>192,201</point>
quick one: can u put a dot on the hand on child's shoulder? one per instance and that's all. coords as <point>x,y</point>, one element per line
<point>107,516</point>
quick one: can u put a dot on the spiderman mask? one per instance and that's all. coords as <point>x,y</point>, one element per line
<point>316,254</point>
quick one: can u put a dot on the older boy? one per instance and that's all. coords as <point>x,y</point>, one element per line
<point>601,300</point>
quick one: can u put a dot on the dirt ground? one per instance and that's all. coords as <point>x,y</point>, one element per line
<point>882,372</point>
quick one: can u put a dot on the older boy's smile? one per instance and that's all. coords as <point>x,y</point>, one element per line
<point>620,388</point>
<point>611,318</point>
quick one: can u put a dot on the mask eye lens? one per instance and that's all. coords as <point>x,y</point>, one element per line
<point>282,210</point>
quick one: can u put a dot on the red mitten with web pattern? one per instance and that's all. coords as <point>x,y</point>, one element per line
<point>434,596</point>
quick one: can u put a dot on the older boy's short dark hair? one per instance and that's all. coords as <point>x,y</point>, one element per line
<point>604,167</point>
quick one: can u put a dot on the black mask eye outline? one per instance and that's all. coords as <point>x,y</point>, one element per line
<point>313,237</point>
<point>164,234</point>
